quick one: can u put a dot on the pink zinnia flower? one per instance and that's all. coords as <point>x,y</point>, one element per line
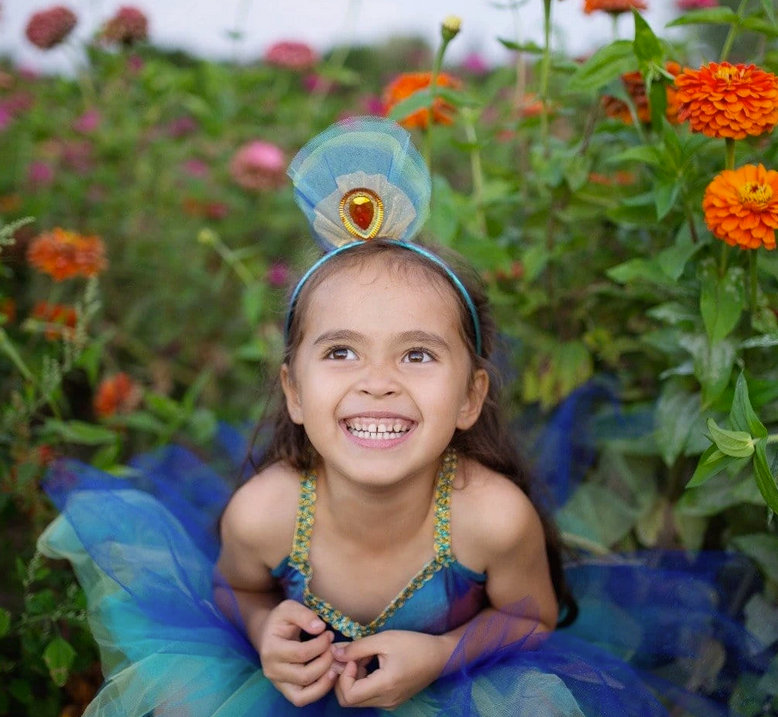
<point>5,118</point>
<point>78,156</point>
<point>374,106</point>
<point>686,5</point>
<point>475,64</point>
<point>258,165</point>
<point>195,168</point>
<point>134,63</point>
<point>40,174</point>
<point>48,28</point>
<point>278,275</point>
<point>87,122</point>
<point>291,55</point>
<point>181,127</point>
<point>127,27</point>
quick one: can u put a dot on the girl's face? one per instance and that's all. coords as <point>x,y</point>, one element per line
<point>382,376</point>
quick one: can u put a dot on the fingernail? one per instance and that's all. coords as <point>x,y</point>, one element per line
<point>332,674</point>
<point>317,624</point>
<point>339,652</point>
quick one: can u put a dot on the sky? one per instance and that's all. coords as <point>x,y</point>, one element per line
<point>203,26</point>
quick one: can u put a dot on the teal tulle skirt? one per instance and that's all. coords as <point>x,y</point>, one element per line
<point>658,633</point>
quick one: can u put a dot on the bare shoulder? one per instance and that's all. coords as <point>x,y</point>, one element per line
<point>261,514</point>
<point>491,516</point>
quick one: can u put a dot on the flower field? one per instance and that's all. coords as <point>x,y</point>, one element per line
<point>622,209</point>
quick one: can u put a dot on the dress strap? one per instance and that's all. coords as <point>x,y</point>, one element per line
<point>306,510</point>
<point>443,489</point>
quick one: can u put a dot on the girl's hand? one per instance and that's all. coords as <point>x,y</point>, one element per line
<point>301,671</point>
<point>407,663</point>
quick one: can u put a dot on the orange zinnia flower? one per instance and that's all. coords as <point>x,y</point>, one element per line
<point>741,206</point>
<point>116,394</point>
<point>723,100</point>
<point>410,82</point>
<point>62,254</point>
<point>613,6</point>
<point>60,320</point>
<point>636,88</point>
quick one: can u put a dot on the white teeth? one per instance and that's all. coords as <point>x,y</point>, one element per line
<point>379,432</point>
<point>381,428</point>
<point>372,428</point>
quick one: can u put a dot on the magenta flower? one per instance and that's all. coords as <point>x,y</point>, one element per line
<point>181,127</point>
<point>291,55</point>
<point>127,27</point>
<point>374,106</point>
<point>6,117</point>
<point>78,156</point>
<point>278,275</point>
<point>196,168</point>
<point>314,82</point>
<point>87,122</point>
<point>48,28</point>
<point>475,64</point>
<point>258,165</point>
<point>40,174</point>
<point>687,5</point>
<point>134,63</point>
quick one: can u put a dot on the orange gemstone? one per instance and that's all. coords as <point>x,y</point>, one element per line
<point>362,211</point>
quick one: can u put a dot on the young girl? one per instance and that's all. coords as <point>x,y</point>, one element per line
<point>388,553</point>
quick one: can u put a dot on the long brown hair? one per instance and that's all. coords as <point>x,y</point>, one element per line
<point>488,442</point>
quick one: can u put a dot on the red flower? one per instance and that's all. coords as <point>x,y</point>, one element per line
<point>60,320</point>
<point>48,28</point>
<point>258,165</point>
<point>687,5</point>
<point>291,55</point>
<point>636,88</point>
<point>614,7</point>
<point>127,27</point>
<point>116,394</point>
<point>62,254</point>
<point>8,309</point>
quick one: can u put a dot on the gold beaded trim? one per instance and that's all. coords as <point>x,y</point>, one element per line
<point>443,555</point>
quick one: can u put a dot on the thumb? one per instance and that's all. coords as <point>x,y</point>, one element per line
<point>369,646</point>
<point>291,617</point>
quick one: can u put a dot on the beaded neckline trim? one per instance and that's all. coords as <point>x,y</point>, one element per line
<point>443,555</point>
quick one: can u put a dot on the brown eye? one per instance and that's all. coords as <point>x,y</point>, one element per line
<point>341,354</point>
<point>418,356</point>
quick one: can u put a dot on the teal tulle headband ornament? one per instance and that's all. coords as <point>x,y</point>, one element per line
<point>363,179</point>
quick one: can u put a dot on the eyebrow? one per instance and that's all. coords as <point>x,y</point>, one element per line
<point>427,338</point>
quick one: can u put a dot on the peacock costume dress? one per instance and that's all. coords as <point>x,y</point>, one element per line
<point>656,635</point>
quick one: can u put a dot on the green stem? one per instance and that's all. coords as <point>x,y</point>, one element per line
<point>773,438</point>
<point>477,171</point>
<point>753,280</point>
<point>730,153</point>
<point>8,348</point>
<point>234,263</point>
<point>615,26</point>
<point>545,71</point>
<point>733,30</point>
<point>438,61</point>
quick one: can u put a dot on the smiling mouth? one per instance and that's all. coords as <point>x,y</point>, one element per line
<point>378,429</point>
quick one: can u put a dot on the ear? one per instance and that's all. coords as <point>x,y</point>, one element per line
<point>474,401</point>
<point>293,403</point>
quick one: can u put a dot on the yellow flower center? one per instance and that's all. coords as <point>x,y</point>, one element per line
<point>727,74</point>
<point>756,195</point>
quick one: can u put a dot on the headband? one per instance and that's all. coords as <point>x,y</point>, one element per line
<point>363,179</point>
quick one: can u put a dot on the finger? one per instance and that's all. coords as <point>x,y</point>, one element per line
<point>301,696</point>
<point>361,691</point>
<point>290,617</point>
<point>303,675</point>
<point>301,652</point>
<point>365,647</point>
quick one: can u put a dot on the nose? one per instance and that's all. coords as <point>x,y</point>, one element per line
<point>378,380</point>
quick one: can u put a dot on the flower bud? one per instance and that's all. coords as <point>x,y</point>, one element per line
<point>450,27</point>
<point>207,237</point>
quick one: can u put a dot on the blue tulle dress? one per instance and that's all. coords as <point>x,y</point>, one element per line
<point>655,635</point>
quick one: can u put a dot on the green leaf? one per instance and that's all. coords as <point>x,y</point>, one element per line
<point>166,408</point>
<point>738,444</point>
<point>419,100</point>
<point>79,432</point>
<point>639,269</point>
<point>140,421</point>
<point>763,548</point>
<point>675,413</point>
<point>444,214</point>
<point>764,476</point>
<point>665,195</point>
<point>722,491</point>
<point>644,154</point>
<point>769,10</point>
<point>714,16</point>
<point>657,98</point>
<point>712,364</point>
<point>530,47</point>
<point>576,171</point>
<point>607,64</point>
<point>647,46</point>
<point>711,462</point>
<point>673,260</point>
<point>758,25</point>
<point>20,690</point>
<point>534,261</point>
<point>722,299</point>
<point>760,342</point>
<point>59,656</point>
<point>742,416</point>
<point>5,622</point>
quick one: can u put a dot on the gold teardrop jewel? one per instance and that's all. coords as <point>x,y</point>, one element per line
<point>362,213</point>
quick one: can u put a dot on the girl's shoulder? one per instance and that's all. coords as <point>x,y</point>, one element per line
<point>261,514</point>
<point>490,515</point>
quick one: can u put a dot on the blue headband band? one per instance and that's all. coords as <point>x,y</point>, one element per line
<point>421,251</point>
